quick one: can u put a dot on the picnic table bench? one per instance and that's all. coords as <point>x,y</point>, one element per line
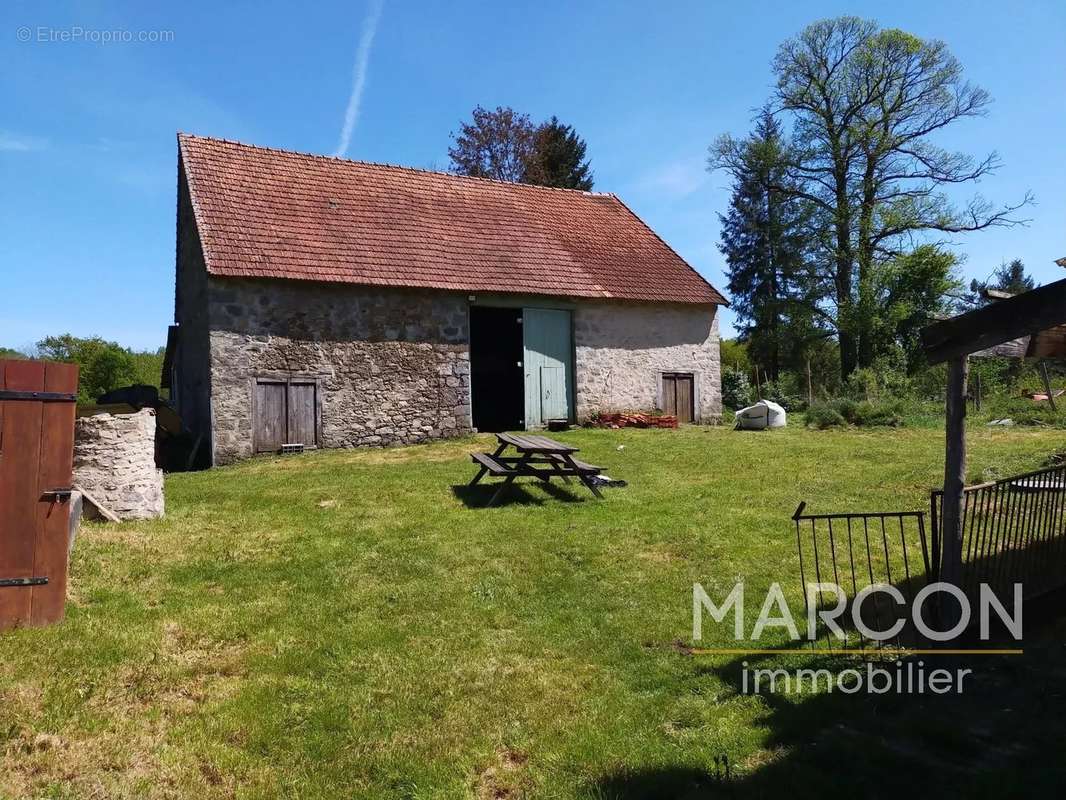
<point>537,457</point>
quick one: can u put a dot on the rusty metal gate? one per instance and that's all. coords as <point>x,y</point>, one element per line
<point>859,550</point>
<point>37,405</point>
<point>1013,531</point>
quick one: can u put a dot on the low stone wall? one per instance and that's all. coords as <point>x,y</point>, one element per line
<point>114,461</point>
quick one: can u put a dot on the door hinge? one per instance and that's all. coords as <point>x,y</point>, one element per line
<point>40,397</point>
<point>11,583</point>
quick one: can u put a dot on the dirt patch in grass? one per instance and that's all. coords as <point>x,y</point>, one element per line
<point>505,778</point>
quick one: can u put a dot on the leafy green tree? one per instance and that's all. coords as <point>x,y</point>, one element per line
<point>865,105</point>
<point>7,352</point>
<point>495,144</point>
<point>148,366</point>
<point>558,158</point>
<point>911,291</point>
<point>103,365</point>
<point>735,354</point>
<point>766,240</point>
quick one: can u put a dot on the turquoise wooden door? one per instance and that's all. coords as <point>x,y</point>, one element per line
<point>548,362</point>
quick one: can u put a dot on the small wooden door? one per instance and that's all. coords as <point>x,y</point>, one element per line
<point>36,453</point>
<point>301,408</point>
<point>548,361</point>
<point>286,412</point>
<point>270,416</point>
<point>678,395</point>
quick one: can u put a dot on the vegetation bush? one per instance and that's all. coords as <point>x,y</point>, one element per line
<point>824,415</point>
<point>1024,411</point>
<point>864,413</point>
<point>736,389</point>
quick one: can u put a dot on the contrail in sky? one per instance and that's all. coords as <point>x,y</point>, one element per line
<point>362,56</point>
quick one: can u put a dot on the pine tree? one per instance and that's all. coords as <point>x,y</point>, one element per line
<point>765,239</point>
<point>1010,278</point>
<point>558,158</point>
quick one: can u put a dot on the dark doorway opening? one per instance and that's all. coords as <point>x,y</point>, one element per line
<point>497,382</point>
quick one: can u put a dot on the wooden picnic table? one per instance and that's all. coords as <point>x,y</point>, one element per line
<point>537,457</point>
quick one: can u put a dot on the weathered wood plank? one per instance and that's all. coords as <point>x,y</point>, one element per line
<point>19,464</point>
<point>270,416</point>
<point>954,478</point>
<point>301,410</point>
<point>48,602</point>
<point>1024,314</point>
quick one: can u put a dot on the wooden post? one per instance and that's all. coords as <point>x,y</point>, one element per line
<point>954,480</point>
<point>1047,384</point>
<point>977,392</point>
<point>810,390</point>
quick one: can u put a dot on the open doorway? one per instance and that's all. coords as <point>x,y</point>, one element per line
<point>497,384</point>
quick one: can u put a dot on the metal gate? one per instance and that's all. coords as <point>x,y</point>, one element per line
<point>37,404</point>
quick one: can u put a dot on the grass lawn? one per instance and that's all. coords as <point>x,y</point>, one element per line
<point>343,624</point>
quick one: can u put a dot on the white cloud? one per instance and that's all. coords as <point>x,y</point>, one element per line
<point>362,57</point>
<point>16,143</point>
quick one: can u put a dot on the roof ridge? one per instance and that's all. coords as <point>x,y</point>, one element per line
<point>403,167</point>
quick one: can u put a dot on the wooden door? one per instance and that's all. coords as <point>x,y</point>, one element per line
<point>36,453</point>
<point>548,362</point>
<point>678,396</point>
<point>271,416</point>
<point>286,412</point>
<point>301,414</point>
<point>683,386</point>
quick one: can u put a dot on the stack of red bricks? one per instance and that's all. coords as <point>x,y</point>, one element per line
<point>626,419</point>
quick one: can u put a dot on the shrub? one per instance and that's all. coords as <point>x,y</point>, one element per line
<point>845,411</point>
<point>736,389</point>
<point>869,414</point>
<point>1025,411</point>
<point>823,415</point>
<point>778,392</point>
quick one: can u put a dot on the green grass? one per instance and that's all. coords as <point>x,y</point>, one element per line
<point>343,624</point>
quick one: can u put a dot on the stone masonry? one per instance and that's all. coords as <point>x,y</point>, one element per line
<point>114,460</point>
<point>623,348</point>
<point>392,365</point>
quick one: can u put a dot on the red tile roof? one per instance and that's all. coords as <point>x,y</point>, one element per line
<point>278,214</point>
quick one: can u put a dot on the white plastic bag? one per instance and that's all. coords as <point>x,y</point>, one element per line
<point>761,416</point>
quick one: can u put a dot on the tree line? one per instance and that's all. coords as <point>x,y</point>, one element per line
<point>839,224</point>
<point>102,365</point>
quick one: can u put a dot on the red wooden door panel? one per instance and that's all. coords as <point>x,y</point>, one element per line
<point>53,517</point>
<point>36,451</point>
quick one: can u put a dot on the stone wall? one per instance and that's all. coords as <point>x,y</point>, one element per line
<point>392,365</point>
<point>114,460</point>
<point>191,391</point>
<point>623,348</point>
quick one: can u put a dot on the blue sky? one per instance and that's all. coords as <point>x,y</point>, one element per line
<point>87,133</point>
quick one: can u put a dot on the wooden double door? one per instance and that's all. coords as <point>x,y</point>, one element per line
<point>37,404</point>
<point>285,412</point>
<point>679,395</point>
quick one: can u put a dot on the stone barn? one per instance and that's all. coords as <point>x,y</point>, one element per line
<point>332,303</point>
